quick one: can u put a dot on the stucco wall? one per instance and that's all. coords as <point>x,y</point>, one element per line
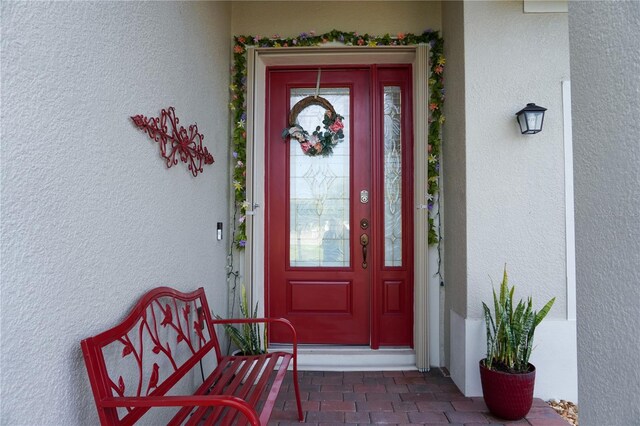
<point>505,192</point>
<point>515,183</point>
<point>374,17</point>
<point>91,216</point>
<point>606,106</point>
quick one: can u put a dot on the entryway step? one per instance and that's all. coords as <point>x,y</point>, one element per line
<point>351,358</point>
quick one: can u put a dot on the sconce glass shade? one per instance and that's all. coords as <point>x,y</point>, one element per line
<point>530,119</point>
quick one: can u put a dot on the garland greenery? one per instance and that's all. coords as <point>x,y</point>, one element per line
<point>238,105</point>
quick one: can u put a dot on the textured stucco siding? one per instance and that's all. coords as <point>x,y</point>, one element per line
<point>515,183</point>
<point>605,66</point>
<point>91,216</point>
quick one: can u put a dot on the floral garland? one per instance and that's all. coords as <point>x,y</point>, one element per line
<point>238,106</point>
<point>319,142</point>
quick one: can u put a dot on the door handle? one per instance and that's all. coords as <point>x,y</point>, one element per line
<point>364,242</point>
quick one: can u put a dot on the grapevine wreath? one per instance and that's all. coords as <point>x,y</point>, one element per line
<point>319,142</point>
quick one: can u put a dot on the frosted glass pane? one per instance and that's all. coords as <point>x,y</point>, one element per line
<point>319,190</point>
<point>392,177</point>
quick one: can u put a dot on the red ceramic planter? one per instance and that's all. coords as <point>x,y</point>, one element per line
<point>508,396</point>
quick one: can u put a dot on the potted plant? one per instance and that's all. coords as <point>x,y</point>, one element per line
<point>507,376</point>
<point>246,337</point>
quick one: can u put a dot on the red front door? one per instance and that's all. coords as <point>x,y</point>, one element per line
<point>339,245</point>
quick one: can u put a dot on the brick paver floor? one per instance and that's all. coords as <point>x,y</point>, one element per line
<point>391,397</point>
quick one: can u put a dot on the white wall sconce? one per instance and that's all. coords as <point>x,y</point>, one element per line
<point>530,119</point>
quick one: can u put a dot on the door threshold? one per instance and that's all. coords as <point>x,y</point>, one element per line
<point>351,358</point>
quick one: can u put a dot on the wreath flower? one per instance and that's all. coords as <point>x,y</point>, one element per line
<point>320,142</point>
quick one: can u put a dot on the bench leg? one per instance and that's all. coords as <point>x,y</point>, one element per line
<point>297,390</point>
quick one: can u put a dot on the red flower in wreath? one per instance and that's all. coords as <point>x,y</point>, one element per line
<point>305,146</point>
<point>337,125</point>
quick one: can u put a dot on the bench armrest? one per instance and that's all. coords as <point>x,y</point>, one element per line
<point>185,401</point>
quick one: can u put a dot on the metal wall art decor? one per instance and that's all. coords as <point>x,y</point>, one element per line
<point>319,142</point>
<point>180,142</point>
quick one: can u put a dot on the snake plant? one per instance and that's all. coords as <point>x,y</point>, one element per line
<point>510,331</point>
<point>247,336</point>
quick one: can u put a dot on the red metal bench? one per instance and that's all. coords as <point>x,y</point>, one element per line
<point>156,350</point>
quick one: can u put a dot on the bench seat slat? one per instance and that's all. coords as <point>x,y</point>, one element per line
<point>243,385</point>
<point>213,385</point>
<point>255,383</point>
<point>270,402</point>
<point>238,369</point>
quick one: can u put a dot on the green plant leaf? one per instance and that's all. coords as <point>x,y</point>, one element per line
<point>510,331</point>
<point>544,311</point>
<point>491,331</point>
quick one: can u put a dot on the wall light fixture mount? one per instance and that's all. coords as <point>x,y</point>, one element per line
<point>530,119</point>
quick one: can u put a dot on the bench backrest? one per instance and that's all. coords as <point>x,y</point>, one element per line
<point>164,336</point>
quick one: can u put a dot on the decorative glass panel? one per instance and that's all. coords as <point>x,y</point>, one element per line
<point>319,190</point>
<point>392,177</point>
